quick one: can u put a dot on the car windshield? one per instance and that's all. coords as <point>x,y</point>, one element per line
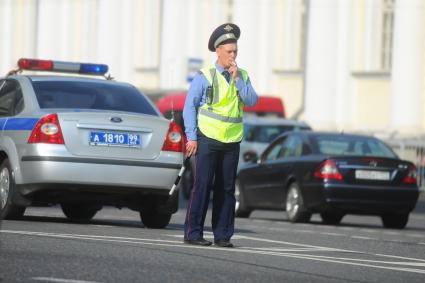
<point>91,95</point>
<point>351,145</point>
<point>266,133</point>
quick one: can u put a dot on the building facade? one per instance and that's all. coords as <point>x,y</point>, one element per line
<point>347,65</point>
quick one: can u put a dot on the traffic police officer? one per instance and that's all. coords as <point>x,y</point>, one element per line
<point>212,115</point>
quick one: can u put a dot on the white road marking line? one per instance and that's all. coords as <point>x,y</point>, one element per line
<point>359,264</point>
<point>420,264</point>
<point>331,234</point>
<point>280,229</point>
<point>236,237</point>
<point>346,261</point>
<point>401,257</point>
<point>305,231</point>
<point>391,233</point>
<point>346,228</point>
<point>51,279</point>
<point>104,226</point>
<point>363,238</point>
<point>286,243</point>
<point>415,235</point>
<point>421,243</point>
<point>368,230</point>
<point>286,250</point>
<point>81,236</point>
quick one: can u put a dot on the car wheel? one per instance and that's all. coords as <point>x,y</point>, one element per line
<point>395,221</point>
<point>240,208</point>
<point>8,210</point>
<point>295,208</point>
<point>153,219</point>
<point>331,218</point>
<point>79,212</point>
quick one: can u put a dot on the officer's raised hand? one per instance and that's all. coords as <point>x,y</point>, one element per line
<point>233,70</point>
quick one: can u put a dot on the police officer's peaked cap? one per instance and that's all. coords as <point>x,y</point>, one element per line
<point>226,33</point>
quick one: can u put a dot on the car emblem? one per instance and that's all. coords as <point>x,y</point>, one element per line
<point>373,163</point>
<point>115,119</point>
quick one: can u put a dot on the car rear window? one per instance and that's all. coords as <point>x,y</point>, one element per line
<point>348,145</point>
<point>267,133</point>
<point>91,95</point>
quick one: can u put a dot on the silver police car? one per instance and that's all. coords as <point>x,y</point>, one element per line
<point>83,143</point>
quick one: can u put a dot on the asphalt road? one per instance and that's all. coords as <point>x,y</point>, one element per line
<point>115,247</point>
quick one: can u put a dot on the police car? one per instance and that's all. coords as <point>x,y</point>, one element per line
<point>84,142</point>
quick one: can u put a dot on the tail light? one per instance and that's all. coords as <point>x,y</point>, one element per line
<point>47,130</point>
<point>411,177</point>
<point>174,138</point>
<point>328,170</point>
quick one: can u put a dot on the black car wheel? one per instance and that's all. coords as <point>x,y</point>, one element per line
<point>395,221</point>
<point>331,218</point>
<point>8,210</point>
<point>240,208</point>
<point>153,219</point>
<point>79,212</point>
<point>295,208</point>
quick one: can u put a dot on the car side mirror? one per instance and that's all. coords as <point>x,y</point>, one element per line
<point>250,156</point>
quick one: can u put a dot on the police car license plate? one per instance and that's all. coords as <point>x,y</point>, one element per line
<point>372,175</point>
<point>115,139</point>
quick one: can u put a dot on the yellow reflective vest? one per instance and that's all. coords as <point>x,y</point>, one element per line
<point>221,117</point>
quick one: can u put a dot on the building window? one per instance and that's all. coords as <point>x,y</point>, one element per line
<point>373,26</point>
<point>289,44</point>
<point>387,34</point>
<point>303,33</point>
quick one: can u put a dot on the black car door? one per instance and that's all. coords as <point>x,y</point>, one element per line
<point>281,168</point>
<point>256,179</point>
<point>264,183</point>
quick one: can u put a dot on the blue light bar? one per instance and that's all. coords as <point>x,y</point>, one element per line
<point>62,66</point>
<point>94,69</point>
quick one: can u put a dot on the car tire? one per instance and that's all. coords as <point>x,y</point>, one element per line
<point>155,220</point>
<point>395,221</point>
<point>79,212</point>
<point>295,208</point>
<point>331,218</point>
<point>240,207</point>
<point>8,210</point>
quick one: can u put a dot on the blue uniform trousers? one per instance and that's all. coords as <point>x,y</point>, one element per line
<point>216,165</point>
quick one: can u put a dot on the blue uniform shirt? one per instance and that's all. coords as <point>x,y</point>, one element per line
<point>196,98</point>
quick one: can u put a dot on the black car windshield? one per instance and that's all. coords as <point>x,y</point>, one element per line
<point>351,145</point>
<point>267,133</point>
<point>91,95</point>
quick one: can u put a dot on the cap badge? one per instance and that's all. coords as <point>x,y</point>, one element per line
<point>228,28</point>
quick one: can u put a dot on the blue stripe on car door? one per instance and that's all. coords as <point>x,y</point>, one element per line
<point>16,124</point>
<point>2,123</point>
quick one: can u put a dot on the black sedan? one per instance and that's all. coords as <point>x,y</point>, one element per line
<point>333,174</point>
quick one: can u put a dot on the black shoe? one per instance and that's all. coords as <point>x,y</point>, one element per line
<point>223,243</point>
<point>199,242</point>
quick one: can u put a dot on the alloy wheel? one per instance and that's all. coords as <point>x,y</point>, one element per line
<point>4,187</point>
<point>292,202</point>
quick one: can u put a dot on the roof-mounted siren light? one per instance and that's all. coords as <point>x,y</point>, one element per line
<point>62,66</point>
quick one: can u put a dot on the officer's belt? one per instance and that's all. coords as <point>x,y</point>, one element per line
<point>216,116</point>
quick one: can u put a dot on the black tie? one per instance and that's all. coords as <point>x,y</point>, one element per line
<point>226,75</point>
